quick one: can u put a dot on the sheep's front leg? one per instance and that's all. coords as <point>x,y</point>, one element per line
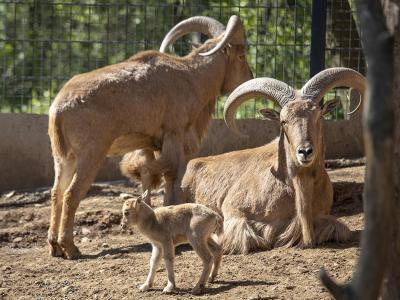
<point>154,262</point>
<point>169,256</point>
<point>172,155</point>
<point>303,186</point>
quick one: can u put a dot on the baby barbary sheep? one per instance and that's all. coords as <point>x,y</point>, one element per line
<point>169,226</point>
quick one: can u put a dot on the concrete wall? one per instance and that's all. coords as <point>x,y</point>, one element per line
<point>26,162</point>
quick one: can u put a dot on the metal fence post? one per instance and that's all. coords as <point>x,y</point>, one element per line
<point>318,31</point>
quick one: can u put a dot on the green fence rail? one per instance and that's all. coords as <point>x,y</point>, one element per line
<point>44,43</point>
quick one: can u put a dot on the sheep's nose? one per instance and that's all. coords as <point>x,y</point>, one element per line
<point>305,151</point>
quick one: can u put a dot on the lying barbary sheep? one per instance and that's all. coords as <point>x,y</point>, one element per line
<point>150,101</point>
<point>169,226</point>
<point>279,194</point>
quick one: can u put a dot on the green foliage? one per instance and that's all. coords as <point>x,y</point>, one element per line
<point>44,43</point>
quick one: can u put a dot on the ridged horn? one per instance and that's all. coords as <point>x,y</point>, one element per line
<point>234,33</point>
<point>272,89</point>
<point>316,88</point>
<point>205,25</point>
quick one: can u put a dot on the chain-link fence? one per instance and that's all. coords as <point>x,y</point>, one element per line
<point>44,43</point>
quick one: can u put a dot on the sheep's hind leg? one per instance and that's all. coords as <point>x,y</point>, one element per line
<point>201,248</point>
<point>87,166</point>
<point>216,250</point>
<point>64,170</point>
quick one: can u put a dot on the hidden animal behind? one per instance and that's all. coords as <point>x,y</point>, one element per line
<point>169,226</point>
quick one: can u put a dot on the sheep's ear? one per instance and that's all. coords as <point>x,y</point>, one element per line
<point>269,114</point>
<point>330,105</point>
<point>145,193</point>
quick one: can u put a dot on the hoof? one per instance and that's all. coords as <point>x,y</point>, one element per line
<point>168,289</point>
<point>71,252</point>
<point>211,279</point>
<point>55,250</point>
<point>144,287</point>
<point>198,290</point>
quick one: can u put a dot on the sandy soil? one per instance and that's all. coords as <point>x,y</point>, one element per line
<point>116,262</point>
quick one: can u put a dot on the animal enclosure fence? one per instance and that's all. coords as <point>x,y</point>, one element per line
<point>43,43</point>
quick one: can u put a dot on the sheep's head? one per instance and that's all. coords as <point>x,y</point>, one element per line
<point>131,210</point>
<point>301,111</point>
<point>230,41</point>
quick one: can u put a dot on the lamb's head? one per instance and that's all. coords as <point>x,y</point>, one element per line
<point>230,42</point>
<point>301,111</point>
<point>131,209</point>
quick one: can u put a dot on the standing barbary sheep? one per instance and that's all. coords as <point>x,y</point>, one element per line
<point>169,226</point>
<point>137,165</point>
<point>278,194</point>
<point>151,101</point>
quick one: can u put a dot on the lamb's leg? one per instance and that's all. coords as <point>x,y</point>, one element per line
<point>64,170</point>
<point>201,248</point>
<point>154,262</point>
<point>169,256</point>
<point>216,250</point>
<point>87,167</point>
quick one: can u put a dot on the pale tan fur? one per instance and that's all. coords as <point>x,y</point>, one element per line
<point>267,196</point>
<point>151,101</point>
<point>137,165</point>
<point>169,226</point>
<point>134,165</point>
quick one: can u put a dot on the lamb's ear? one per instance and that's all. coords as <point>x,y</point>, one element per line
<point>145,193</point>
<point>330,105</point>
<point>269,114</point>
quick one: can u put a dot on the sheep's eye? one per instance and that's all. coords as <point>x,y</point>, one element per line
<point>283,122</point>
<point>126,213</point>
<point>242,57</point>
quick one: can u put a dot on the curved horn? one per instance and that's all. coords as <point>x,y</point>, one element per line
<point>328,79</point>
<point>234,29</point>
<point>205,25</point>
<point>269,88</point>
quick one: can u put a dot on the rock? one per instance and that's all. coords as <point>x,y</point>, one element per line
<point>85,231</point>
<point>17,239</point>
<point>10,194</point>
<point>85,240</point>
<point>125,196</point>
<point>105,245</point>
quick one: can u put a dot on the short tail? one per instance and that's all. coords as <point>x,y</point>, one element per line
<point>57,139</point>
<point>219,225</point>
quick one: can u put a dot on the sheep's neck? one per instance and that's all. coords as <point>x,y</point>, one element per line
<point>146,219</point>
<point>209,71</point>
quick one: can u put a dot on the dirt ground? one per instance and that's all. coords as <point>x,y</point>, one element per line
<point>116,262</point>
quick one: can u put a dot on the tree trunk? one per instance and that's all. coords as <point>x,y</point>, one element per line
<point>391,283</point>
